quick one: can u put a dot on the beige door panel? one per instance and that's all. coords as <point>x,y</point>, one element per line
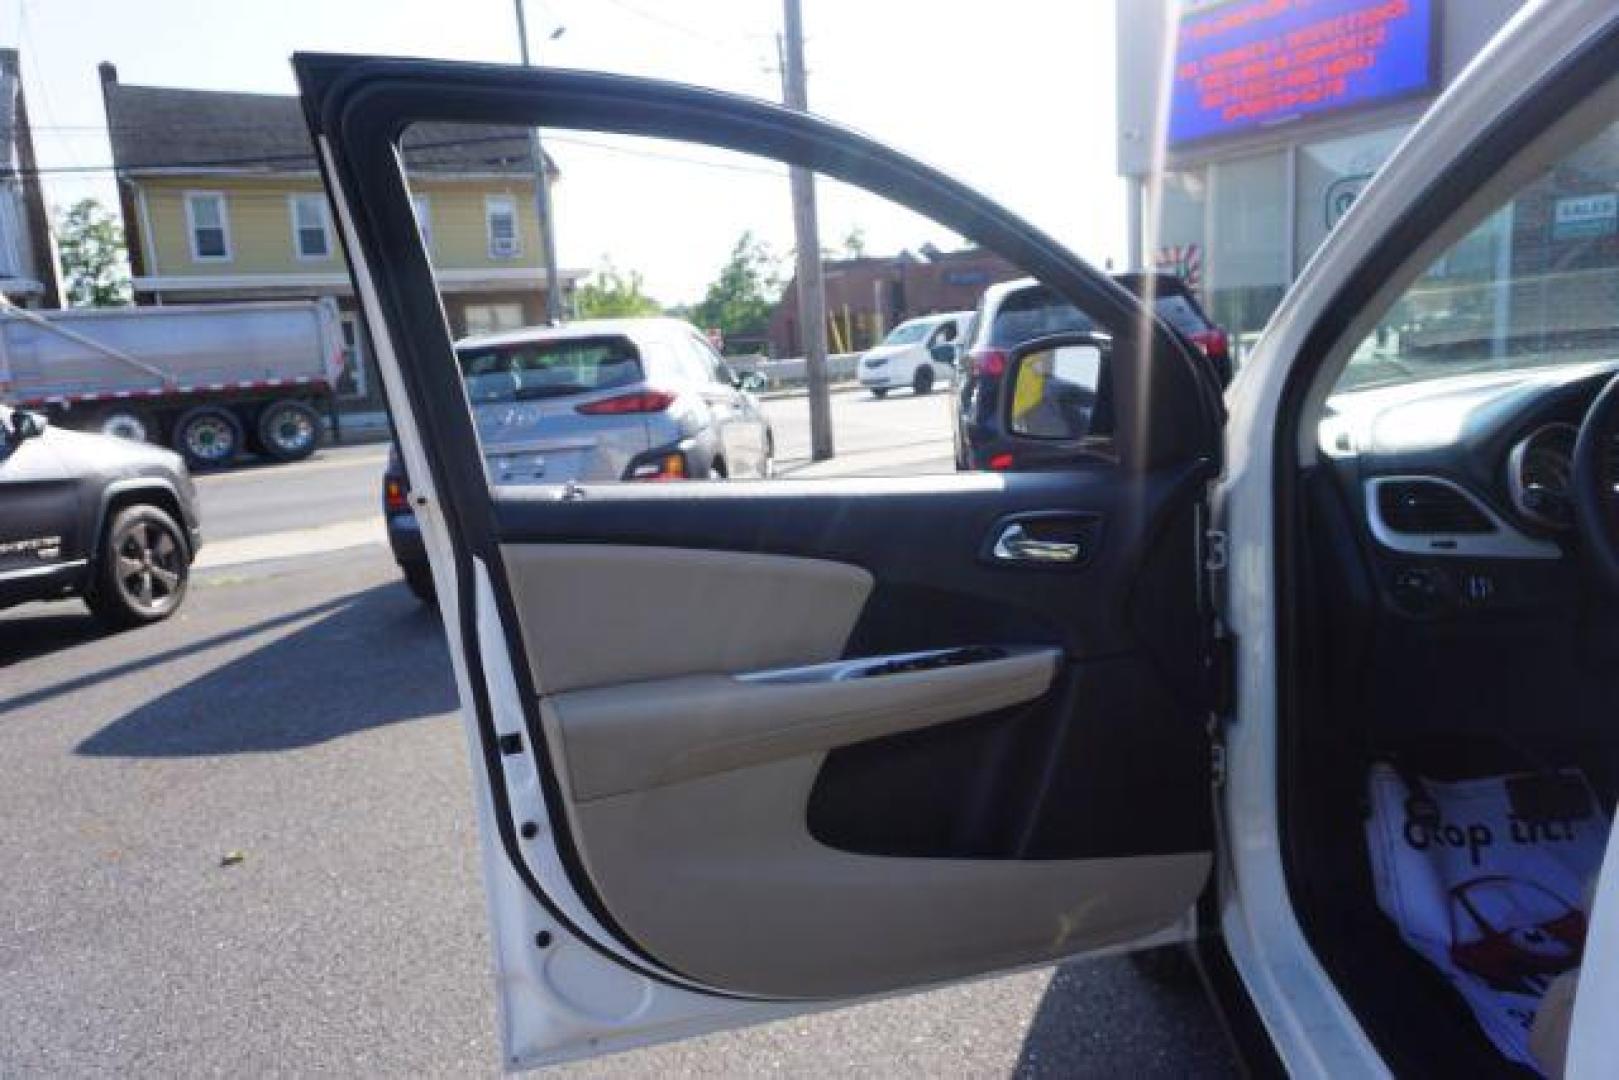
<point>719,878</point>
<point>694,612</point>
<point>628,738</point>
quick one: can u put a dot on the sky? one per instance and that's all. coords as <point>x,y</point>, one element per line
<point>1014,98</point>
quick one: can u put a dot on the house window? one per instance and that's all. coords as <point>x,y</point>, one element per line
<point>424,219</point>
<point>311,226</point>
<point>500,217</point>
<point>208,221</point>
<point>489,318</point>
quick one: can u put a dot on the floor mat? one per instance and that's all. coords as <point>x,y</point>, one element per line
<point>1488,880</point>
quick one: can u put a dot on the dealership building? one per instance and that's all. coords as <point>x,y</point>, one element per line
<point>1277,114</point>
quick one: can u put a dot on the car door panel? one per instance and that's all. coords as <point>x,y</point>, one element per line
<point>697,610</point>
<point>719,814</point>
<point>719,878</point>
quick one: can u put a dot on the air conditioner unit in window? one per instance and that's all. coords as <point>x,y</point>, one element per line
<point>503,246</point>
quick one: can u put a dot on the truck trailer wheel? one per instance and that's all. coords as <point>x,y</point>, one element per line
<point>288,430</point>
<point>125,422</point>
<point>208,437</point>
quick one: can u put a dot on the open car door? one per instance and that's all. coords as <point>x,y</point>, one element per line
<point>747,749</point>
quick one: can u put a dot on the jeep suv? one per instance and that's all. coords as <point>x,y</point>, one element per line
<point>92,516</point>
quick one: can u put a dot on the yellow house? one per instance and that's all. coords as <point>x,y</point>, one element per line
<point>221,200</point>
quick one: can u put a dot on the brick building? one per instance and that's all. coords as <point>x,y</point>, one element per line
<point>867,297</point>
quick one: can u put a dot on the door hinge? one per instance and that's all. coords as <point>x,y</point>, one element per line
<point>1222,674</point>
<point>1216,555</point>
<point>1217,755</point>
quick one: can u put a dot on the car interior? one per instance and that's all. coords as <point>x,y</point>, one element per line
<point>1451,617</point>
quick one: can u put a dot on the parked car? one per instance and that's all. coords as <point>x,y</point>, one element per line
<point>96,517</point>
<point>747,751</point>
<point>404,531</point>
<point>919,353</point>
<point>611,399</point>
<point>1013,312</point>
<point>620,399</point>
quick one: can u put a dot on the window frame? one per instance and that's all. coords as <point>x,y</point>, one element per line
<point>490,203</point>
<point>422,206</point>
<point>294,198</point>
<point>191,198</point>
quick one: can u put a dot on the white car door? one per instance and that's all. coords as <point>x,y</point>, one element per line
<point>745,750</point>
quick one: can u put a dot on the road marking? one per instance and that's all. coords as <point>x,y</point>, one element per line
<point>292,543</point>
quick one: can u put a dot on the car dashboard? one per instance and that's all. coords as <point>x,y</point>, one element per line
<point>1461,488</point>
<point>1449,592</point>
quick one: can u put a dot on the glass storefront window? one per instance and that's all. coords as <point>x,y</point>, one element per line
<point>1535,283</point>
<point>1247,262</point>
<point>1331,176</point>
<point>1174,243</point>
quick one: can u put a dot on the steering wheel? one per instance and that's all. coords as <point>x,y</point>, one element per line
<point>1596,485</point>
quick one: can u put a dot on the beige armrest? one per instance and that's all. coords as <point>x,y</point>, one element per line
<point>644,735</point>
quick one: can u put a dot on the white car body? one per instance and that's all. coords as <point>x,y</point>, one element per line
<point>586,993</point>
<point>891,366</point>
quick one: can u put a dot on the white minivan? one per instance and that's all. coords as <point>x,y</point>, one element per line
<point>919,353</point>
<point>1318,677</point>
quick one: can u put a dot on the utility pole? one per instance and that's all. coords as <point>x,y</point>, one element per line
<point>811,283</point>
<point>542,190</point>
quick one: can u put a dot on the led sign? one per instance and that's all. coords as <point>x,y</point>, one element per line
<point>1249,64</point>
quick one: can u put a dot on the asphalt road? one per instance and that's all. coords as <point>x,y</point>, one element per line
<point>242,841</point>
<point>339,484</point>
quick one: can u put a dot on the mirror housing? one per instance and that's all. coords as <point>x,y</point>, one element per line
<point>1056,390</point>
<point>26,425</point>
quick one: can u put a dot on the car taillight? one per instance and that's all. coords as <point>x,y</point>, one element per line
<point>642,401</point>
<point>987,361</point>
<point>394,496</point>
<point>1001,462</point>
<point>670,466</point>
<point>1213,343</point>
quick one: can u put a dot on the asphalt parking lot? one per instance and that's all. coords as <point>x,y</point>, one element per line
<point>242,842</point>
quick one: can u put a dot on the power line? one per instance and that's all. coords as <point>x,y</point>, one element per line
<point>309,158</point>
<point>671,24</point>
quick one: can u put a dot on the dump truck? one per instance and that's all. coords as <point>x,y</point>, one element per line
<point>210,380</point>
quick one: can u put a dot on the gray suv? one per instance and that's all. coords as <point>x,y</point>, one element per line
<point>611,399</point>
<point>606,399</point>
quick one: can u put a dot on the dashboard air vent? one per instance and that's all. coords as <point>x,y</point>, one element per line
<point>1428,506</point>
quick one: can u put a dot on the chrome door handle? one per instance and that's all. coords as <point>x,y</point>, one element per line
<point>1016,545</point>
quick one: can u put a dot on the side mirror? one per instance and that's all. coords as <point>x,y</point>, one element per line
<point>944,353</point>
<point>1056,389</point>
<point>26,425</point>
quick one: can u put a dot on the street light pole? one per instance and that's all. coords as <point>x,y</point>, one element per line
<point>542,190</point>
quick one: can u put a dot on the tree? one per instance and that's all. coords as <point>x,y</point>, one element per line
<point>740,300</point>
<point>610,295</point>
<point>94,259</point>
<point>854,245</point>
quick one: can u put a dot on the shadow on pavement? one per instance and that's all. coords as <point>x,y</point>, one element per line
<point>376,658</point>
<point>26,638</point>
<point>1091,1008</point>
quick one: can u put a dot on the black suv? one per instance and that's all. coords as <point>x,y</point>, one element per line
<point>110,520</point>
<point>1014,312</point>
